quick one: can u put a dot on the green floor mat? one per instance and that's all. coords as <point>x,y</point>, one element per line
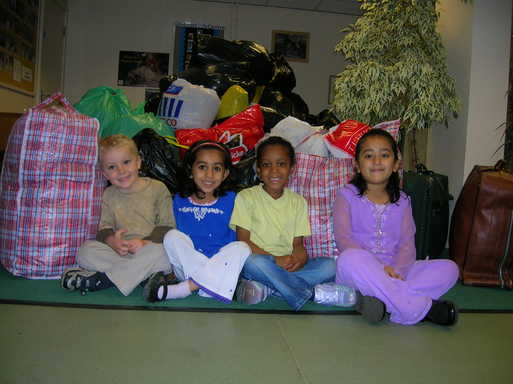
<point>17,290</point>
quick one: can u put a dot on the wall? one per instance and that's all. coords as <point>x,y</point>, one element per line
<point>99,29</point>
<point>13,102</point>
<point>488,81</point>
<point>477,39</point>
<point>51,24</point>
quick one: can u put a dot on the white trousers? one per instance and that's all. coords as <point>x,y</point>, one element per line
<point>217,276</point>
<point>126,272</point>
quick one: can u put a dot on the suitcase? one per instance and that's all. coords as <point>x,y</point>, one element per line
<point>480,239</point>
<point>429,193</point>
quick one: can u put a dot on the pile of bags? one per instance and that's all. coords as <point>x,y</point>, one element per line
<point>234,93</point>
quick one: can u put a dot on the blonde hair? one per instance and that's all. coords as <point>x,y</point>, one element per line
<point>116,141</point>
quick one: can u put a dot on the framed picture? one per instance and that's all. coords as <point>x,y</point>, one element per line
<point>294,46</point>
<point>331,90</point>
<point>142,69</point>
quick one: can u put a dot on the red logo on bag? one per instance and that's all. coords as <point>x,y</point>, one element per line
<point>171,122</point>
<point>347,134</point>
<point>235,144</point>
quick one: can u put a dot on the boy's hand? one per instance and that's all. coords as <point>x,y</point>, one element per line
<point>299,257</point>
<point>135,245</point>
<point>392,273</point>
<point>284,261</point>
<point>298,261</point>
<point>117,243</point>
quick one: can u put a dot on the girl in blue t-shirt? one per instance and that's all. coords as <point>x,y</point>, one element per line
<point>203,249</point>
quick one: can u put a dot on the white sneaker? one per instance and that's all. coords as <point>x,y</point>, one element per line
<point>202,293</point>
<point>251,292</point>
<point>334,294</point>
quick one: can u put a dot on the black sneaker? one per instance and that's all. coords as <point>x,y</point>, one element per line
<point>80,279</point>
<point>371,308</point>
<point>442,312</point>
<point>151,289</point>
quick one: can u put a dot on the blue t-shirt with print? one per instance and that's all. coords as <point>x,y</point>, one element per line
<point>207,225</point>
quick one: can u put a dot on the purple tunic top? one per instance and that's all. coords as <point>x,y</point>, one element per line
<point>387,231</point>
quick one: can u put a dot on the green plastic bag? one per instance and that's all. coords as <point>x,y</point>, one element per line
<point>106,104</point>
<point>136,121</point>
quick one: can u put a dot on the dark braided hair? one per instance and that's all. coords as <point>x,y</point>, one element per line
<point>393,186</point>
<point>186,184</point>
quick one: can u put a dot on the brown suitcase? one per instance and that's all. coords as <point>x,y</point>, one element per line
<point>480,239</point>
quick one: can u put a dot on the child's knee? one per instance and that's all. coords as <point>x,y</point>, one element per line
<point>451,271</point>
<point>239,247</point>
<point>351,258</point>
<point>327,268</point>
<point>256,262</point>
<point>174,236</point>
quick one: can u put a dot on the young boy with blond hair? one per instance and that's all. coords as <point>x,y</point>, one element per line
<point>136,214</point>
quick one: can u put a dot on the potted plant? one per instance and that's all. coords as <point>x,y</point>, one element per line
<point>397,67</point>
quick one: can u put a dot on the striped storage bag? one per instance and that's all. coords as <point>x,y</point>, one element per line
<point>50,189</point>
<point>318,179</point>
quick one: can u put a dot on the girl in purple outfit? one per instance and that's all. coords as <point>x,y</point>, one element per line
<point>374,229</point>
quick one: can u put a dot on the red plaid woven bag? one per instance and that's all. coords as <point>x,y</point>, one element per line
<point>50,189</point>
<point>318,179</point>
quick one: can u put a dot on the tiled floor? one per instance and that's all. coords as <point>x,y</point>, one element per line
<point>67,345</point>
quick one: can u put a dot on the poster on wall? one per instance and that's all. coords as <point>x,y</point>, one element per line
<point>189,38</point>
<point>18,44</point>
<point>142,69</point>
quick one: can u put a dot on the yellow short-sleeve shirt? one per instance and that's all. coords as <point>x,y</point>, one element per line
<point>273,223</point>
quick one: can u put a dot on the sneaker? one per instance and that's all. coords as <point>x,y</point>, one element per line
<point>443,312</point>
<point>251,292</point>
<point>170,278</point>
<point>371,308</point>
<point>151,289</point>
<point>334,294</point>
<point>79,279</point>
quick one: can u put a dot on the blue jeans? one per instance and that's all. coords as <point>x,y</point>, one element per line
<point>296,288</point>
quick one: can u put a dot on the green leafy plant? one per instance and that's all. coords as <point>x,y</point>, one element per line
<point>396,67</point>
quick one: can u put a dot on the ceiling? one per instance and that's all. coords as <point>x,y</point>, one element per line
<point>346,7</point>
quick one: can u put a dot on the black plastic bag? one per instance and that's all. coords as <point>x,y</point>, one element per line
<point>219,81</point>
<point>271,118</point>
<point>301,110</point>
<point>283,79</point>
<point>152,105</point>
<point>325,118</point>
<point>260,63</point>
<point>246,172</point>
<point>160,160</point>
<point>288,105</point>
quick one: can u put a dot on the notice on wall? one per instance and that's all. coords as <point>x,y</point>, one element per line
<point>18,44</point>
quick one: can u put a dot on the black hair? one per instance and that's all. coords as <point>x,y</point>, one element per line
<point>186,184</point>
<point>393,186</point>
<point>275,140</point>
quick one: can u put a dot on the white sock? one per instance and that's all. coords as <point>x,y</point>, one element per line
<point>175,291</point>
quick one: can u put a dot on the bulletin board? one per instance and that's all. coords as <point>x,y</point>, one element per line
<point>18,44</point>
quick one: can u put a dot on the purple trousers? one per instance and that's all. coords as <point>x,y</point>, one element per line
<point>409,300</point>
